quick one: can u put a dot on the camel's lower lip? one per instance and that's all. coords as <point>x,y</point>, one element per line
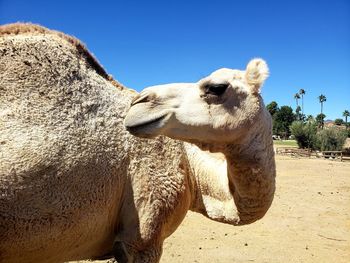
<point>144,126</point>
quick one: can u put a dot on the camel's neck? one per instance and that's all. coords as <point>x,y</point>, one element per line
<point>239,188</point>
<point>251,174</point>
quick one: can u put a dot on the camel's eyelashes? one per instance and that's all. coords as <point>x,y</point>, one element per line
<point>216,89</point>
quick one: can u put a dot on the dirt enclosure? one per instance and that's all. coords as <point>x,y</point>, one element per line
<point>309,221</point>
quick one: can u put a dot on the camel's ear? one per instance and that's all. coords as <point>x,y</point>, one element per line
<point>256,73</point>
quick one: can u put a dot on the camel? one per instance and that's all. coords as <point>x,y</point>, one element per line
<point>75,184</point>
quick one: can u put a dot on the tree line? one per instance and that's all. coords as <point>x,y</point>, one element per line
<point>286,122</point>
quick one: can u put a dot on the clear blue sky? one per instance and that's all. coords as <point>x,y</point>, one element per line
<point>143,43</point>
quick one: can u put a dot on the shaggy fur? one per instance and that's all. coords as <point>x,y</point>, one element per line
<point>72,180</point>
<point>32,29</point>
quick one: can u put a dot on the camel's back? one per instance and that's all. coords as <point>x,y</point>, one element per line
<point>49,96</point>
<point>61,135</point>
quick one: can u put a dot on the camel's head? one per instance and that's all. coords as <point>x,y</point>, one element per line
<point>220,108</point>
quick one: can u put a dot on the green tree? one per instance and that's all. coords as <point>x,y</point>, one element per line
<point>302,93</point>
<point>320,120</point>
<point>272,107</point>
<point>346,114</point>
<point>322,98</point>
<point>282,119</point>
<point>338,122</point>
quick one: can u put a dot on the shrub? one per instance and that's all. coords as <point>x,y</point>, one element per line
<point>304,133</point>
<point>331,139</point>
<point>338,122</point>
<point>307,136</point>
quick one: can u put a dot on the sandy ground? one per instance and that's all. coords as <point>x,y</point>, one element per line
<point>309,221</point>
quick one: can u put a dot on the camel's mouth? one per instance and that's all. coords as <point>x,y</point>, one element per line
<point>145,129</point>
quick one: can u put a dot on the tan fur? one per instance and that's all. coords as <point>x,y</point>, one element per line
<point>256,73</point>
<point>74,184</point>
<point>32,29</point>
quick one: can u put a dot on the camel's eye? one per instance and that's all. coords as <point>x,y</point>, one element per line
<point>216,89</point>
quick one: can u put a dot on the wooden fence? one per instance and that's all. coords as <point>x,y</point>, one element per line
<point>333,155</point>
<point>292,151</point>
<point>295,152</point>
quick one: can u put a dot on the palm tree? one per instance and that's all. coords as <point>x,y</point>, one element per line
<point>302,93</point>
<point>297,112</point>
<point>322,98</point>
<point>296,97</point>
<point>346,114</point>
